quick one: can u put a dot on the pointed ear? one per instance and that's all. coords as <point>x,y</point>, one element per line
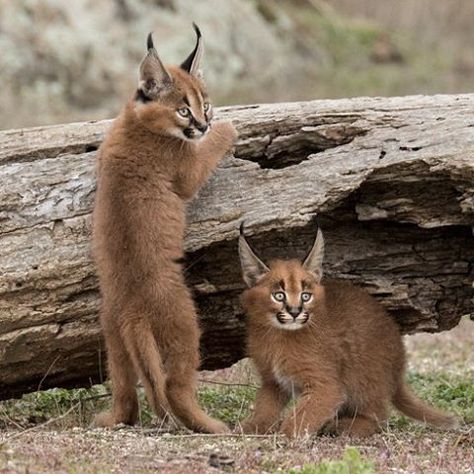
<point>154,78</point>
<point>253,269</point>
<point>193,62</point>
<point>314,260</point>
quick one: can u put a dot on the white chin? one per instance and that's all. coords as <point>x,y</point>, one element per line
<point>288,326</point>
<point>292,326</point>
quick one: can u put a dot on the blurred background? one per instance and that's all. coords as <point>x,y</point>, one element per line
<point>63,61</point>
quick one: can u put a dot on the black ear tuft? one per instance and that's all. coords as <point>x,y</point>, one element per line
<point>197,30</point>
<point>191,63</point>
<point>149,41</point>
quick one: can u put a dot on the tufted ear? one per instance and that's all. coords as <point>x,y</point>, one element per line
<point>192,63</point>
<point>314,260</point>
<point>253,269</point>
<point>154,78</point>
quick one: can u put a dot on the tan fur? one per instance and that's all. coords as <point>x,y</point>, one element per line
<point>346,364</point>
<point>148,317</point>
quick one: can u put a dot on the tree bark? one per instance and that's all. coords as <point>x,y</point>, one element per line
<point>392,181</point>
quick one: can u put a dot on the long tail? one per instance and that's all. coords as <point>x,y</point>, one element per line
<point>409,404</point>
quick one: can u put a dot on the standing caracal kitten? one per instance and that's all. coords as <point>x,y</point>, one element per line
<point>156,156</point>
<point>330,343</point>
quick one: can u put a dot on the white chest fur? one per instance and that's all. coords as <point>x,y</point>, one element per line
<point>285,383</point>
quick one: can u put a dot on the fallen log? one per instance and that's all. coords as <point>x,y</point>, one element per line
<point>392,180</point>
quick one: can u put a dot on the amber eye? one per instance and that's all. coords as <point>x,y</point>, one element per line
<point>207,106</point>
<point>305,296</point>
<point>184,112</point>
<point>279,296</point>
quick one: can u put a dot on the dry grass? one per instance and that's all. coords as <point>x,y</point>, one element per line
<point>39,433</point>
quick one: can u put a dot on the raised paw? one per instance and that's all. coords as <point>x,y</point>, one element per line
<point>226,129</point>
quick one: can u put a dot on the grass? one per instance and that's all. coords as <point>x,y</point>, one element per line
<point>49,431</point>
<point>227,402</point>
<point>351,463</point>
<point>447,391</point>
<point>230,404</point>
<point>349,69</point>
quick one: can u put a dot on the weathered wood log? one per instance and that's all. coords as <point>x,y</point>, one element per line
<point>391,179</point>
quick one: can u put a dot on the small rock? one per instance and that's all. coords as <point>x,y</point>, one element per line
<point>220,461</point>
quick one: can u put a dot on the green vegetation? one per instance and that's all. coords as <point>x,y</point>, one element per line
<point>230,404</point>
<point>39,407</point>
<point>351,463</point>
<point>76,407</point>
<point>453,393</point>
<point>227,402</point>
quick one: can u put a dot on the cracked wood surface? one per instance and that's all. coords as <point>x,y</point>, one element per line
<point>391,178</point>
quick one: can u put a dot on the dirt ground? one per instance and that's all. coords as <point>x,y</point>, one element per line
<point>441,368</point>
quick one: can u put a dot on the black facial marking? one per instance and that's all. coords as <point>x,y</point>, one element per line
<point>282,284</point>
<point>202,127</point>
<point>141,97</point>
<point>186,101</point>
<point>280,317</point>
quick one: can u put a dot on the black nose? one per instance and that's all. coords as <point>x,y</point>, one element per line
<point>294,311</point>
<point>202,128</point>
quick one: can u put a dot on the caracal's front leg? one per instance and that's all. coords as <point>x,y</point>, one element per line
<point>269,403</point>
<point>314,408</point>
<point>197,168</point>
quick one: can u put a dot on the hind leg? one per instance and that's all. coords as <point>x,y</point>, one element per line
<point>362,424</point>
<point>123,378</point>
<point>358,426</point>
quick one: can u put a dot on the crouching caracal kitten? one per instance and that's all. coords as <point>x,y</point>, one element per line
<point>327,342</point>
<point>156,156</point>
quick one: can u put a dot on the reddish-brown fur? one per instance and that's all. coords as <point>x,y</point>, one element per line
<point>148,317</point>
<point>346,363</point>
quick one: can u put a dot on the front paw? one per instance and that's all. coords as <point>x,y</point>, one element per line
<point>292,429</point>
<point>216,427</point>
<point>226,129</point>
